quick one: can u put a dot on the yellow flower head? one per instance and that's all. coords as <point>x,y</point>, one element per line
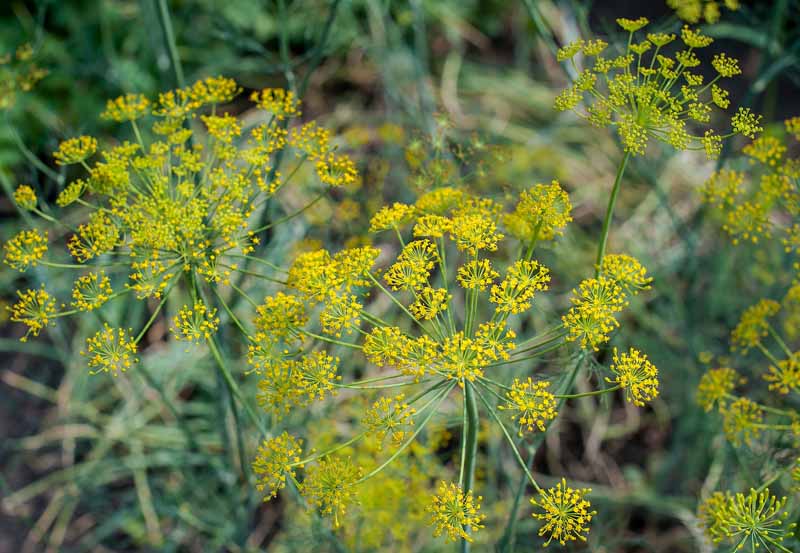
<point>280,315</point>
<point>35,309</point>
<point>757,518</point>
<point>636,375</point>
<point>695,10</point>
<point>126,108</point>
<point>648,95</point>
<point>455,513</point>
<point>627,272</point>
<point>276,458</point>
<point>195,324</point>
<point>531,404</point>
<point>318,374</point>
<point>541,213</point>
<point>591,318</point>
<point>476,274</point>
<point>741,421</point>
<point>279,102</point>
<point>25,197</point>
<point>391,217</point>
<point>565,513</point>
<point>715,387</point>
<point>389,416</point>
<point>110,350</point>
<point>25,249</point>
<point>754,324</point>
<point>330,486</point>
<point>785,377</point>
<point>91,291</point>
<point>515,293</point>
<point>75,150</point>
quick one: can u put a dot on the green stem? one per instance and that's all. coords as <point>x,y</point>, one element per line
<point>588,394</point>
<point>169,41</point>
<point>234,388</point>
<point>470,444</point>
<point>612,201</point>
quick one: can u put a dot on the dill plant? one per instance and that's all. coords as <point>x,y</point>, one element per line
<point>763,417</point>
<point>176,212</point>
<point>458,301</point>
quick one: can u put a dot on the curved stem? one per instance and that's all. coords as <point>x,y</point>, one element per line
<point>612,201</point>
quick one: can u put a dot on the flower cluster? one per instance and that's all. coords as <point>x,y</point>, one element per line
<point>750,520</point>
<point>695,10</point>
<point>565,513</point>
<point>647,95</point>
<point>455,513</point>
<point>763,201</point>
<point>181,204</point>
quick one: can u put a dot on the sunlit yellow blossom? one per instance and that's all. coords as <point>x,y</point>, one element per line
<point>715,387</point>
<point>75,150</point>
<point>336,170</point>
<point>636,375</point>
<point>126,108</point>
<point>317,375</point>
<point>277,457</point>
<point>455,513</point>
<point>110,350</point>
<point>71,193</point>
<point>541,213</point>
<point>214,90</point>
<point>391,217</point>
<point>100,235</point>
<point>91,291</point>
<point>429,303</point>
<point>515,293</point>
<point>389,416</point>
<point>342,313</point>
<point>25,197</point>
<point>25,249</point>
<point>750,520</point>
<point>35,309</point>
<point>330,486</point>
<point>280,387</point>
<point>746,123</point>
<point>785,377</point>
<point>741,421</point>
<point>754,325</point>
<point>476,274</point>
<point>531,404</point>
<point>280,314</point>
<point>279,102</point>
<point>195,324</point>
<point>695,10</point>
<point>627,272</point>
<point>565,513</point>
<point>591,318</point>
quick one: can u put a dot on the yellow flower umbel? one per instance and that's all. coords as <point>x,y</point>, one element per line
<point>636,375</point>
<point>742,421</point>
<point>181,207</point>
<point>456,323</point>
<point>565,513</point>
<point>747,521</point>
<point>784,376</point>
<point>91,291</point>
<point>25,197</point>
<point>277,458</point>
<point>389,416</point>
<point>761,201</point>
<point>35,309</point>
<point>754,325</point>
<point>455,513</point>
<point>330,486</point>
<point>647,95</point>
<point>25,249</point>
<point>716,386</point>
<point>531,404</point>
<point>592,317</point>
<point>195,324</point>
<point>110,350</point>
<point>693,11</point>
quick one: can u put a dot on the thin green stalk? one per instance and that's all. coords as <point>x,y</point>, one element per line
<point>162,10</point>
<point>612,201</point>
<point>234,388</point>
<point>469,445</point>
